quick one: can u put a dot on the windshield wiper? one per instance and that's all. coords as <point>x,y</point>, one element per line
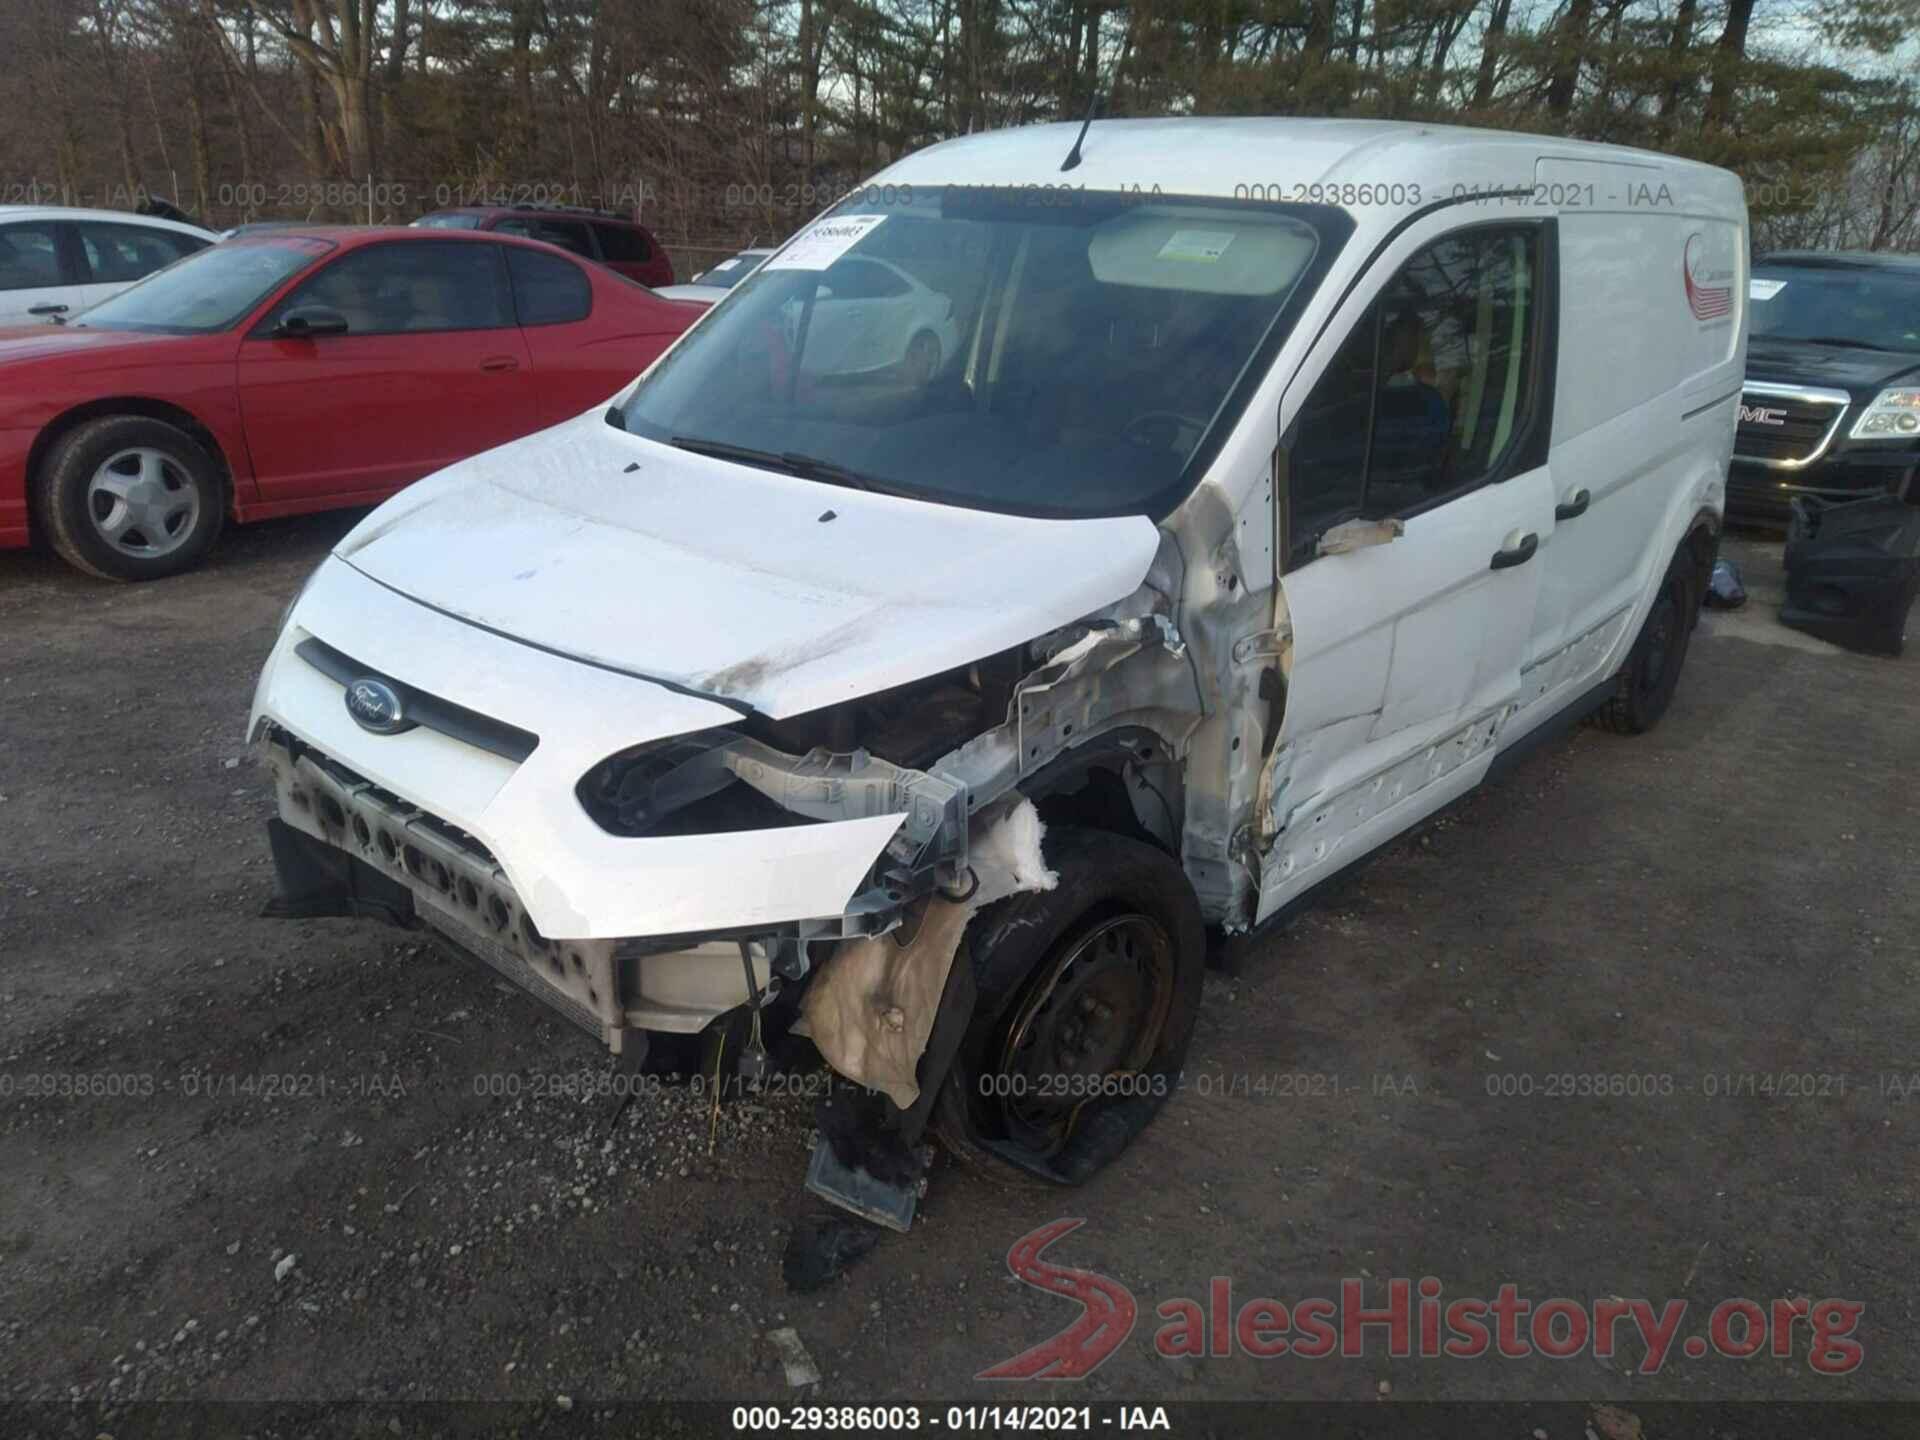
<point>790,462</point>
<point>828,473</point>
<point>740,454</point>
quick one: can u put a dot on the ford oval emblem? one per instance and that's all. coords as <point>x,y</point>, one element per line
<point>375,705</point>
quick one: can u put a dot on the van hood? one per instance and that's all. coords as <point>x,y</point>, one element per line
<point>761,589</point>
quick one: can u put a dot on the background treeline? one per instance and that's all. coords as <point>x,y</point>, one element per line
<point>724,121</point>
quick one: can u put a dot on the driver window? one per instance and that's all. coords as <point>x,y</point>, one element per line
<point>411,286</point>
<point>1427,396</point>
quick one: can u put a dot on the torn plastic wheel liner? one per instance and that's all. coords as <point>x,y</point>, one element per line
<point>889,1012</point>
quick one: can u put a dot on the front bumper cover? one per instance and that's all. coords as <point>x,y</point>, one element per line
<point>344,846</point>
<point>1849,473</point>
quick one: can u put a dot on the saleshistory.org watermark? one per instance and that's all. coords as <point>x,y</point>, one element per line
<point>1404,1318</point>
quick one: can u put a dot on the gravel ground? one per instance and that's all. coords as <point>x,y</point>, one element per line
<point>316,1160</point>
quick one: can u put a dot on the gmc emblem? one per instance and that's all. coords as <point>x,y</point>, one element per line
<point>1762,415</point>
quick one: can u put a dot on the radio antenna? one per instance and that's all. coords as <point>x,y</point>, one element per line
<point>1073,155</point>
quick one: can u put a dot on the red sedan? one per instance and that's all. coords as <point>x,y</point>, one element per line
<point>299,370</point>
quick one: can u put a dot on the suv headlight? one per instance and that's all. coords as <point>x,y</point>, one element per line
<point>1894,415</point>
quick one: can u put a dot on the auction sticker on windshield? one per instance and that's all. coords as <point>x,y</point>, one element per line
<point>1765,289</point>
<point>825,242</point>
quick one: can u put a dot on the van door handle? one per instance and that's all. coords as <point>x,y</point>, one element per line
<point>1518,554</point>
<point>500,362</point>
<point>1574,506</point>
<point>47,310</point>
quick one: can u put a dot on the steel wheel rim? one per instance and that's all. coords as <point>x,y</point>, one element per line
<point>1122,967</point>
<point>143,503</point>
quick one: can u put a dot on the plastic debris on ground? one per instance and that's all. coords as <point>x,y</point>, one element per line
<point>800,1367</point>
<point>1725,590</point>
<point>822,1246</point>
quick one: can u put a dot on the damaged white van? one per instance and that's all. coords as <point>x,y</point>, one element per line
<point>1080,540</point>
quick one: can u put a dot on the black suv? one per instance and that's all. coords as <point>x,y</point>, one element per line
<point>1832,401</point>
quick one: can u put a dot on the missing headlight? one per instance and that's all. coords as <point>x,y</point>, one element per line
<point>717,781</point>
<point>680,786</point>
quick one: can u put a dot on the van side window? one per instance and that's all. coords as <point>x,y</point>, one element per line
<point>1327,466</point>
<point>1427,395</point>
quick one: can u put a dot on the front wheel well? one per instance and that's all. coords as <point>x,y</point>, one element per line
<point>147,408</point>
<point>1092,787</point>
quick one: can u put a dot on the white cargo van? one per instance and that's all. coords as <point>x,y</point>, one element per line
<point>1254,488</point>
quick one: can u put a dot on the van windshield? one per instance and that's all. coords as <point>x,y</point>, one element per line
<point>1046,352</point>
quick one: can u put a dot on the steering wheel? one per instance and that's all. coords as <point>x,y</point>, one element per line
<point>1160,429</point>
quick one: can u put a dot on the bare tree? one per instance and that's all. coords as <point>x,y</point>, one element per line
<point>337,43</point>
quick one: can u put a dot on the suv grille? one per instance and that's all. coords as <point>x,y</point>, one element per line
<point>1785,426</point>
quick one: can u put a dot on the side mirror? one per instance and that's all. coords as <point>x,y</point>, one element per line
<point>304,322</point>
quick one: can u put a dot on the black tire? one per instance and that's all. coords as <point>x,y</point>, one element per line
<point>1122,921</point>
<point>69,505</point>
<point>1646,684</point>
<point>1892,639</point>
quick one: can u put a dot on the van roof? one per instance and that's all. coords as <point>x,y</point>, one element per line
<point>1224,157</point>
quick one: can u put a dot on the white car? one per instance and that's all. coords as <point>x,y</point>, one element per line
<point>56,261</point>
<point>866,315</point>
<point>710,284</point>
<point>941,722</point>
